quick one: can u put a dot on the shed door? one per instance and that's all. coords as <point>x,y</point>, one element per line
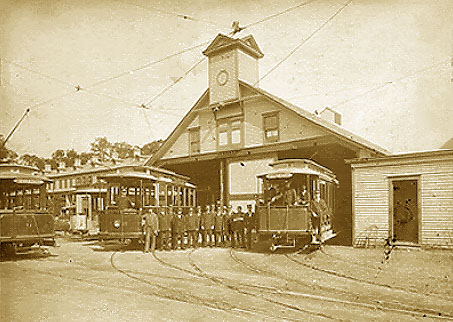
<point>405,211</point>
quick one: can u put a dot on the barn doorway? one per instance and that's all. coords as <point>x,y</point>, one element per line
<point>405,210</point>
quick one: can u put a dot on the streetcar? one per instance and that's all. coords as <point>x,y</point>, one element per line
<point>24,216</point>
<point>130,194</point>
<point>287,215</point>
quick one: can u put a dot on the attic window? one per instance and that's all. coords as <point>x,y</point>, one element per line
<point>271,127</point>
<point>194,140</point>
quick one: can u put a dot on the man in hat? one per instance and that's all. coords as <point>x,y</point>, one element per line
<point>237,226</point>
<point>192,225</point>
<point>319,211</point>
<point>151,229</point>
<point>250,225</point>
<point>178,229</point>
<point>164,228</point>
<point>218,227</point>
<point>123,200</point>
<point>304,196</point>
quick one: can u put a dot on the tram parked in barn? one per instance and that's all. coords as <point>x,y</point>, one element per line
<point>131,194</point>
<point>288,215</point>
<point>24,217</point>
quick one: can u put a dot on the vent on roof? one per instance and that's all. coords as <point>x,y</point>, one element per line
<point>331,115</point>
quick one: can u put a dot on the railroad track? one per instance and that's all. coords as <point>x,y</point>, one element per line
<point>159,291</point>
<point>377,268</point>
<point>198,272</point>
<point>396,307</point>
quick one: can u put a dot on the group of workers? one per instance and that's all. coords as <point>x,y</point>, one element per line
<point>214,225</point>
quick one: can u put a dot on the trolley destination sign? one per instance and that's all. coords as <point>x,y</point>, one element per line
<point>29,181</point>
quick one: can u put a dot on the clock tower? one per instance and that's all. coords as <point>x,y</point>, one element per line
<point>231,60</point>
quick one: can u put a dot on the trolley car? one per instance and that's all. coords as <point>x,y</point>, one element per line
<point>131,194</point>
<point>24,218</point>
<point>290,224</point>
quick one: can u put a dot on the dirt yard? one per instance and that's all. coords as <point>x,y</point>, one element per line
<point>82,281</point>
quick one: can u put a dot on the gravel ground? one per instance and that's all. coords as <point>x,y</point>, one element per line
<point>80,281</point>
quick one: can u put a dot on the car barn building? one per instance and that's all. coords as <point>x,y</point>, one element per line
<point>407,196</point>
<point>236,129</point>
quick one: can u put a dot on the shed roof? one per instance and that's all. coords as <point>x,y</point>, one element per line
<point>396,157</point>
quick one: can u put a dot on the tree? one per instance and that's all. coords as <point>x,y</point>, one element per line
<point>58,155</point>
<point>71,156</point>
<point>123,149</point>
<point>5,153</point>
<point>151,148</point>
<point>85,157</point>
<point>101,148</point>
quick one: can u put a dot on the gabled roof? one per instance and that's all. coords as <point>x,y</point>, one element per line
<point>223,42</point>
<point>333,128</point>
<point>185,121</point>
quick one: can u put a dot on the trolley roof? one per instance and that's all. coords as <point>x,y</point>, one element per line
<point>19,174</point>
<point>117,177</point>
<point>286,169</point>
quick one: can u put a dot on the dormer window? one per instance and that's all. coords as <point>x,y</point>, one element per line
<point>271,127</point>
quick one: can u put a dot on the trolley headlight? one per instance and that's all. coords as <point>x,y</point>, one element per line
<point>116,224</point>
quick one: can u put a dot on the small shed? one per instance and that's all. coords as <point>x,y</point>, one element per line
<point>405,196</point>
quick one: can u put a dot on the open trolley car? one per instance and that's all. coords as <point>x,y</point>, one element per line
<point>24,218</point>
<point>288,214</point>
<point>130,194</point>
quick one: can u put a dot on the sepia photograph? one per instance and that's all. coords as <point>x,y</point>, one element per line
<point>229,160</point>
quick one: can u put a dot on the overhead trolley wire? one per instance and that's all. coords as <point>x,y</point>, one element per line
<point>304,41</point>
<point>391,82</point>
<point>105,80</point>
<point>278,14</point>
<point>151,8</point>
<point>147,65</point>
<point>174,83</point>
<point>188,49</point>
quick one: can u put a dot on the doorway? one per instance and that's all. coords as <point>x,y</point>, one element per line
<point>405,210</point>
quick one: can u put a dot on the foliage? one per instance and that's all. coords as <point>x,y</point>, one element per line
<point>101,148</point>
<point>151,148</point>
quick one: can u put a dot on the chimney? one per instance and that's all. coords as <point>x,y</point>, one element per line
<point>331,115</point>
<point>77,162</point>
<point>61,165</point>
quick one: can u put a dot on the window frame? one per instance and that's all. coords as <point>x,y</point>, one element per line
<point>228,123</point>
<point>191,131</point>
<point>275,138</point>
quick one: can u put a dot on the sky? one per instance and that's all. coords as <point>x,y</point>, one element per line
<point>384,64</point>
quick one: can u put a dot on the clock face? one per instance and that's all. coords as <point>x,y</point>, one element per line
<point>222,77</point>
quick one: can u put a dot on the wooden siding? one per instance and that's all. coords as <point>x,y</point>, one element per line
<point>291,126</point>
<point>372,198</point>
<point>247,67</point>
<point>230,91</point>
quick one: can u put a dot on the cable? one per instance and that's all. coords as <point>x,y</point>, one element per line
<point>147,64</point>
<point>174,83</point>
<point>304,41</point>
<point>193,47</point>
<point>390,83</point>
<point>278,14</point>
<point>148,123</point>
<point>39,73</point>
<point>178,15</point>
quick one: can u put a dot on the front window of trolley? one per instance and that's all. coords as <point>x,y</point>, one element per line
<point>124,202</point>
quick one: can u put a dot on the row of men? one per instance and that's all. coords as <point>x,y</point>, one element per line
<point>215,226</point>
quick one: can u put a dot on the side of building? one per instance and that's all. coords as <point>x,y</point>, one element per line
<point>408,197</point>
